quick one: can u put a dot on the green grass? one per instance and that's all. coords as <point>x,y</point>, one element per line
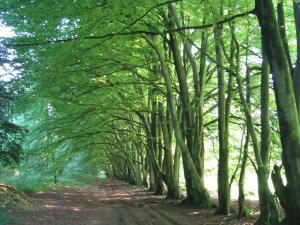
<point>40,183</point>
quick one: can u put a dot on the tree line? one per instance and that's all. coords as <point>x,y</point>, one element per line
<point>141,88</point>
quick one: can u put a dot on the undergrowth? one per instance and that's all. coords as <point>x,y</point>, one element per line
<point>4,218</point>
<point>39,183</point>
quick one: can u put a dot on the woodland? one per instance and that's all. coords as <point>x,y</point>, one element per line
<point>163,94</point>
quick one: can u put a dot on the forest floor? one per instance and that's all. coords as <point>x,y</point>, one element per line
<point>111,202</point>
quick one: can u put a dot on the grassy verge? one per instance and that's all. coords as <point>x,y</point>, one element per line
<point>40,183</point>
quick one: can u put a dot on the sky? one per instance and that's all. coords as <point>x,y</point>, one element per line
<point>5,32</point>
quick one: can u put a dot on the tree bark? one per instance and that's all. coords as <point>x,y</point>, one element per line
<point>177,131</point>
<point>265,213</point>
<point>171,189</point>
<point>241,199</point>
<point>223,176</point>
<point>286,107</point>
<point>296,72</point>
<point>263,186</point>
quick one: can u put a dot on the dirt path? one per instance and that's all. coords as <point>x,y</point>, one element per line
<point>112,202</point>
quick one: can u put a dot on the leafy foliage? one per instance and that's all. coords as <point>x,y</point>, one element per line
<point>103,85</point>
<point>11,135</point>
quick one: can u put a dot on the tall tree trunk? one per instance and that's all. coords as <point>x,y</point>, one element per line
<point>186,155</point>
<point>296,72</point>
<point>265,214</point>
<point>137,163</point>
<point>176,169</point>
<point>168,153</point>
<point>282,30</point>
<point>194,135</point>
<point>155,174</point>
<point>191,132</point>
<point>241,199</point>
<point>55,170</point>
<point>242,206</point>
<point>200,105</point>
<point>187,176</point>
<point>159,188</point>
<point>264,189</point>
<point>223,176</point>
<point>144,170</point>
<point>287,111</point>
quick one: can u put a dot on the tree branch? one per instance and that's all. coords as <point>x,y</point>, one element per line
<point>123,33</point>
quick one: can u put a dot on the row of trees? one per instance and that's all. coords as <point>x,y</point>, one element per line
<point>140,87</point>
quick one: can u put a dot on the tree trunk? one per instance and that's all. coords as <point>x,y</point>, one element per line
<point>242,206</point>
<point>223,177</point>
<point>186,155</point>
<point>195,136</point>
<point>286,107</point>
<point>55,170</point>
<point>265,214</point>
<point>241,199</point>
<point>176,168</point>
<point>137,164</point>
<point>282,30</point>
<point>263,186</point>
<point>296,72</point>
<point>168,153</point>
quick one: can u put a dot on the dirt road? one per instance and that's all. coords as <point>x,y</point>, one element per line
<point>111,202</point>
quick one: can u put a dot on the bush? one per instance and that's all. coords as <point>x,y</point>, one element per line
<point>29,184</point>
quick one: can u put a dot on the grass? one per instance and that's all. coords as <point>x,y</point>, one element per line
<point>39,183</point>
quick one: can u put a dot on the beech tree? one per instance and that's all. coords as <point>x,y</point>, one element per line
<point>141,89</point>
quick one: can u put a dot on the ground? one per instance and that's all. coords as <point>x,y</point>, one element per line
<point>111,202</point>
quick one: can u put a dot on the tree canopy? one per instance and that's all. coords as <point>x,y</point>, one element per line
<point>145,89</point>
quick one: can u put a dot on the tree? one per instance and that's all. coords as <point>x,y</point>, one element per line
<point>11,135</point>
<point>283,77</point>
<point>138,85</point>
